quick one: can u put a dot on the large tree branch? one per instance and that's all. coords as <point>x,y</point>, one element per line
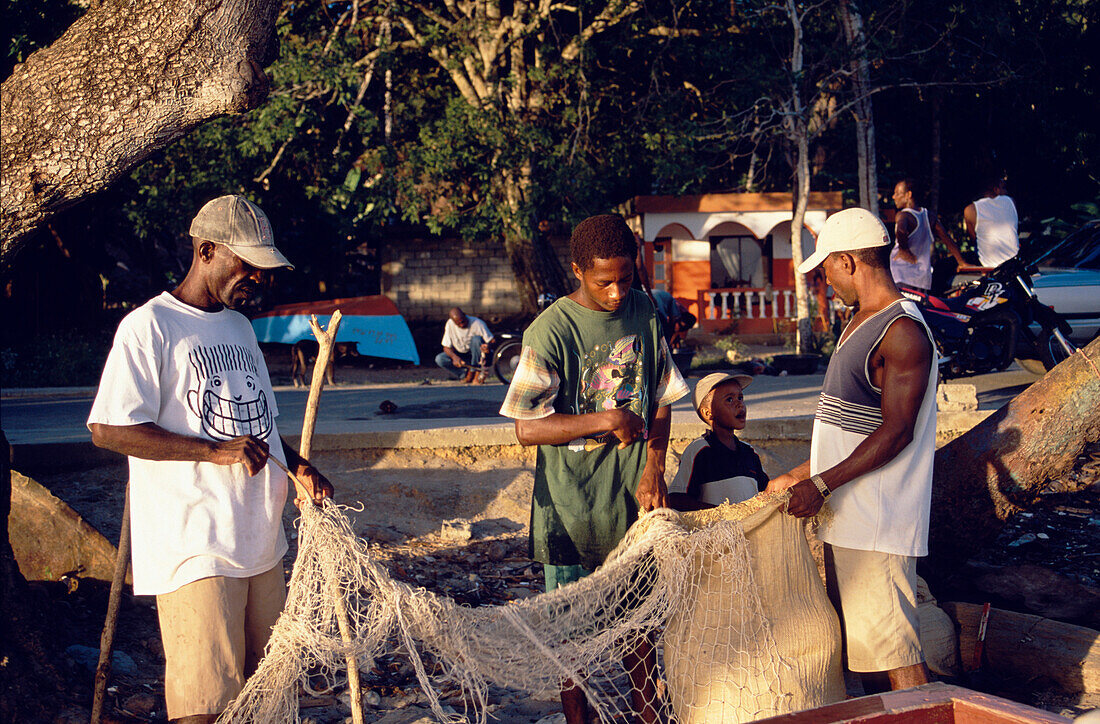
<point>125,80</point>
<point>612,14</point>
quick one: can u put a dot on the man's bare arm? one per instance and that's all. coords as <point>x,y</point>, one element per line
<point>652,490</point>
<point>304,471</point>
<point>560,428</point>
<point>970,220</point>
<point>458,361</point>
<point>905,226</point>
<point>944,238</point>
<point>152,442</point>
<point>900,368</point>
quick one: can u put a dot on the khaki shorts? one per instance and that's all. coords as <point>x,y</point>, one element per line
<point>875,595</point>
<point>214,632</point>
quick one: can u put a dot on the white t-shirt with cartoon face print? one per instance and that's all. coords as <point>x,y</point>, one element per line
<point>199,374</point>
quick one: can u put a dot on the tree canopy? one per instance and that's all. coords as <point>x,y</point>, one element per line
<point>482,119</point>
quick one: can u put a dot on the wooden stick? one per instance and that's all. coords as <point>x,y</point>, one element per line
<point>325,341</point>
<point>107,638</point>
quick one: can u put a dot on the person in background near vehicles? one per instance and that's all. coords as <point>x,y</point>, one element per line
<point>186,395</point>
<point>717,466</point>
<point>594,389</point>
<point>991,221</point>
<point>466,341</point>
<point>871,453</point>
<point>914,226</point>
<point>675,320</point>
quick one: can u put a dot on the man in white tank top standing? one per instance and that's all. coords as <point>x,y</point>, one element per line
<point>871,455</point>
<point>992,221</point>
<point>914,227</point>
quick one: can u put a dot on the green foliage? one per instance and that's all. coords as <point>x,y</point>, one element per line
<point>730,343</point>
<point>55,360</point>
<point>34,24</point>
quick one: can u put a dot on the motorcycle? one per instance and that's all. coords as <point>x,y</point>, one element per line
<point>984,325</point>
<point>509,346</point>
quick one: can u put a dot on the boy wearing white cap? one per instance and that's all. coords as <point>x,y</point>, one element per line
<point>186,396</point>
<point>718,467</point>
<point>871,454</point>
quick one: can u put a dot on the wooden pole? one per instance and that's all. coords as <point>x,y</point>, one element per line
<point>107,638</point>
<point>325,341</point>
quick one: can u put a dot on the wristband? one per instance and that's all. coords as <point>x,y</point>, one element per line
<point>821,486</point>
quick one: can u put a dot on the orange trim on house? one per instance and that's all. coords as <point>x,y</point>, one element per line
<point>717,203</point>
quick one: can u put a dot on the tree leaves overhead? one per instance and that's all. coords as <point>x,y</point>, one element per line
<point>480,119</point>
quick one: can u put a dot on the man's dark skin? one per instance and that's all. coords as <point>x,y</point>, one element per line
<point>603,288</point>
<point>906,224</point>
<point>459,317</point>
<point>899,367</point>
<point>218,278</point>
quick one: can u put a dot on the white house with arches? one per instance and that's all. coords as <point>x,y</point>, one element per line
<point>727,257</point>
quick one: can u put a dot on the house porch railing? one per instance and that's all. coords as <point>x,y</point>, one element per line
<point>717,305</point>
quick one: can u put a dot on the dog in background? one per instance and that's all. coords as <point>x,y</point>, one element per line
<point>304,351</point>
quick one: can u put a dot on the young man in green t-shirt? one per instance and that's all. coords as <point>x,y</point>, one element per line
<point>593,390</point>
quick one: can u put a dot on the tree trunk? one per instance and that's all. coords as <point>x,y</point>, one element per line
<point>852,21</point>
<point>126,79</point>
<point>534,261</point>
<point>934,176</point>
<point>536,267</point>
<point>998,468</point>
<point>798,132</point>
<point>804,332</point>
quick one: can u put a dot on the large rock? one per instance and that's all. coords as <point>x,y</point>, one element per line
<point>50,540</point>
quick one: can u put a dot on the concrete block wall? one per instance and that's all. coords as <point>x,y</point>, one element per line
<point>425,277</point>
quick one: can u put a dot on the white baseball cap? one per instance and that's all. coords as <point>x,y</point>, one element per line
<point>847,230</point>
<point>242,226</point>
<point>708,383</point>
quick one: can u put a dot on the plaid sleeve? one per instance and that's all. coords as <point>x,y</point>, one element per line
<point>672,386</point>
<point>533,389</point>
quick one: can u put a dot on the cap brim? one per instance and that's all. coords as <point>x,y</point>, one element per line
<point>813,262</point>
<point>742,380</point>
<point>261,257</point>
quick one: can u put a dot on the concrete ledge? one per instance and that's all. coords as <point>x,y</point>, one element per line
<point>78,455</point>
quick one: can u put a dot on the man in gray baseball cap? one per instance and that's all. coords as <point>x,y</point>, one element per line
<point>185,394</point>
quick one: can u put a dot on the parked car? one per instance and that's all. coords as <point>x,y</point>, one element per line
<point>1068,280</point>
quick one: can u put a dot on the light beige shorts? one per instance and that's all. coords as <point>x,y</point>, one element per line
<point>875,595</point>
<point>214,632</point>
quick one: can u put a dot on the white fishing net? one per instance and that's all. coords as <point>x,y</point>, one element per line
<point>730,596</point>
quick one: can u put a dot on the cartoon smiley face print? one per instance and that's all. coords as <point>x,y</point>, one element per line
<point>228,399</point>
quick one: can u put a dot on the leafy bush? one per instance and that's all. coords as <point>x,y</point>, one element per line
<point>72,359</point>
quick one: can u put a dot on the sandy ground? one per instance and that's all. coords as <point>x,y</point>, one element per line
<point>399,501</point>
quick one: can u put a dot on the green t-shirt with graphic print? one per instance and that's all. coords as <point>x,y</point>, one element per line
<point>584,490</point>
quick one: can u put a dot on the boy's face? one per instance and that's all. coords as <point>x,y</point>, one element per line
<point>726,409</point>
<point>605,285</point>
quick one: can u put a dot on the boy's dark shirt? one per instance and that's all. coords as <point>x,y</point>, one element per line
<point>716,462</point>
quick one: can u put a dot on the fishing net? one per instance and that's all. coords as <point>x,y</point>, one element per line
<point>730,598</point>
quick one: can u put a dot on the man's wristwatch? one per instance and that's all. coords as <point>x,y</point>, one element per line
<point>821,486</point>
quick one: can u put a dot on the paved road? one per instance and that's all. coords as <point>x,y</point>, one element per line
<point>59,415</point>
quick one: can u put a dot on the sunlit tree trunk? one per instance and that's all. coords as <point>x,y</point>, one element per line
<point>797,129</point>
<point>862,109</point>
<point>128,78</point>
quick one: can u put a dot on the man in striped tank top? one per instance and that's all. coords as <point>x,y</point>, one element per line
<point>871,455</point>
